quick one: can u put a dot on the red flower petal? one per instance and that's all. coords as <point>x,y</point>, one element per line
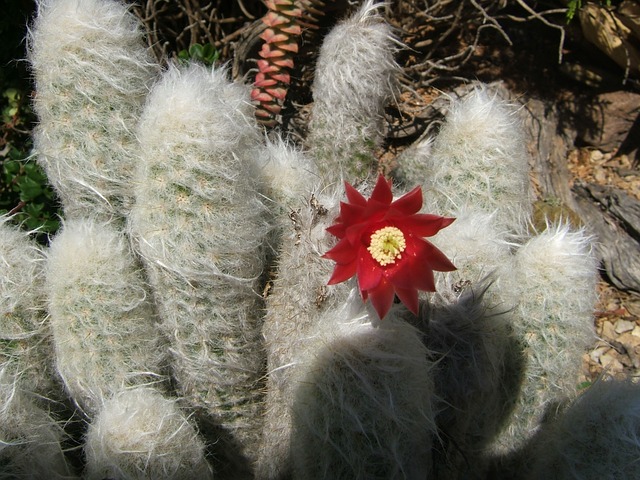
<point>382,191</point>
<point>382,297</point>
<point>407,204</point>
<point>435,258</point>
<point>342,273</point>
<point>337,230</point>
<point>408,296</point>
<point>369,272</point>
<point>350,214</point>
<point>341,253</point>
<point>354,196</point>
<point>422,225</point>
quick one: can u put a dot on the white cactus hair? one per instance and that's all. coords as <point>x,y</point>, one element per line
<point>289,174</point>
<point>298,295</point>
<point>354,79</point>
<point>362,403</point>
<point>596,437</point>
<point>92,73</point>
<point>141,434</point>
<point>465,167</point>
<point>555,277</point>
<point>199,224</point>
<point>31,438</point>
<point>23,311</point>
<point>103,321</point>
<point>479,248</point>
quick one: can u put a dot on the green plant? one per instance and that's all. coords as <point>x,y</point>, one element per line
<point>574,6</point>
<point>24,190</point>
<point>206,54</point>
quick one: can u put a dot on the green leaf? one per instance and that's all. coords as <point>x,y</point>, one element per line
<point>29,188</point>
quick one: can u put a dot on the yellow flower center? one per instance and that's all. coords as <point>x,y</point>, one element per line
<point>387,244</point>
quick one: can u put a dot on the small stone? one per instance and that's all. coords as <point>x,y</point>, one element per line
<point>600,175</point>
<point>608,330</point>
<point>597,352</point>
<point>623,326</point>
<point>596,156</point>
<point>611,363</point>
<point>636,331</point>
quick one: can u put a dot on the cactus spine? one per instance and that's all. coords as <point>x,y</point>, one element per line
<point>555,277</point>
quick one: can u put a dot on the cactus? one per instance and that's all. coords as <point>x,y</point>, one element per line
<point>198,223</point>
<point>161,442</point>
<point>595,437</point>
<point>31,434</point>
<point>153,287</point>
<point>353,82</point>
<point>102,320</point>
<point>545,332</point>
<point>92,74</point>
<point>283,21</point>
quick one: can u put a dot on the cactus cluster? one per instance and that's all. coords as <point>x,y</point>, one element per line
<point>180,324</point>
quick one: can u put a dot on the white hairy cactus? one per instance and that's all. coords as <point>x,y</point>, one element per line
<point>595,438</point>
<point>288,174</point>
<point>92,74</point>
<point>477,162</point>
<point>199,225</point>
<point>104,324</point>
<point>523,287</point>
<point>172,201</point>
<point>299,294</point>
<point>353,81</point>
<point>139,434</point>
<point>25,335</point>
<point>554,275</point>
<point>477,366</point>
<point>31,438</point>
<point>363,399</point>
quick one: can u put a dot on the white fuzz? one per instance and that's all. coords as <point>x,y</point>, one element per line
<point>288,173</point>
<point>479,162</point>
<point>104,326</point>
<point>353,81</point>
<point>199,224</point>
<point>362,401</point>
<point>298,296</point>
<point>30,439</point>
<point>476,360</point>
<point>141,435</point>
<point>25,335</point>
<point>555,274</point>
<point>413,163</point>
<point>596,438</point>
<point>479,249</point>
<point>92,74</point>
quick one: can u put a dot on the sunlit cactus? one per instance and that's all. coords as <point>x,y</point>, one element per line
<point>201,328</point>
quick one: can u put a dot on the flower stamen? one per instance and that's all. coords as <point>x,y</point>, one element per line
<point>387,245</point>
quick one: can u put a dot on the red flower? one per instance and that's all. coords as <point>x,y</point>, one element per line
<point>380,241</point>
